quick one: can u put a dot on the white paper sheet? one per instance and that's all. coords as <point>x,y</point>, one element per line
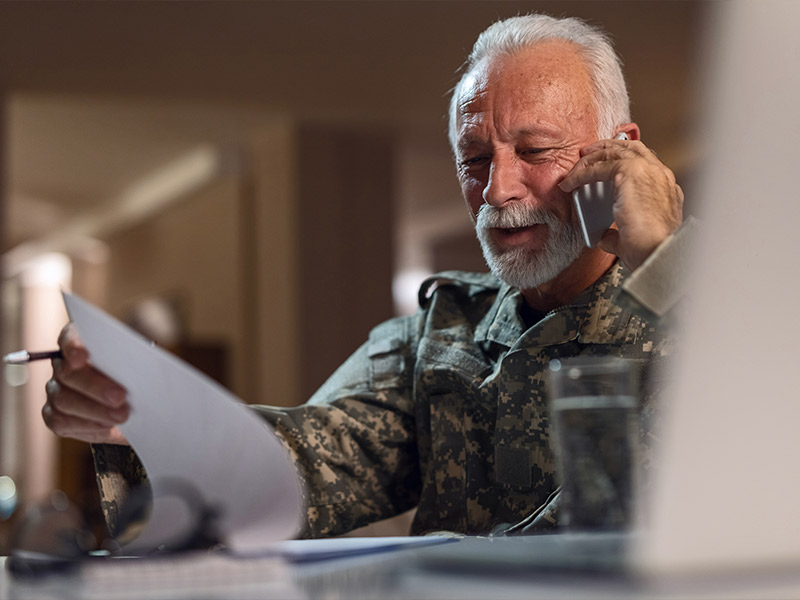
<point>185,427</point>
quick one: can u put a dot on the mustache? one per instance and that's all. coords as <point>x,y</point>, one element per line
<point>512,216</point>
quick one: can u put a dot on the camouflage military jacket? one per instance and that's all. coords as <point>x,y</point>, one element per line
<point>445,411</point>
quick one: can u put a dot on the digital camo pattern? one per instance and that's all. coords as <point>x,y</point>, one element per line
<point>119,472</point>
<point>447,411</point>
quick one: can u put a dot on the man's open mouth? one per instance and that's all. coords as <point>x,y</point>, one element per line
<point>514,229</point>
<point>517,236</point>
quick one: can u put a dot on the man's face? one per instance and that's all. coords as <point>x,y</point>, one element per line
<point>521,122</point>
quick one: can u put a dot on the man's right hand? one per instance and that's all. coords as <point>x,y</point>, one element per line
<point>82,403</point>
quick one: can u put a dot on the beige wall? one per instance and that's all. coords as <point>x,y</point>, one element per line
<point>287,262</point>
<point>344,236</point>
<point>190,253</point>
<point>270,263</point>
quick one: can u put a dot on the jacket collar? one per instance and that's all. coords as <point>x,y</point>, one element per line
<point>592,318</point>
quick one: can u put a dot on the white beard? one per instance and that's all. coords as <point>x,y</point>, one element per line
<point>521,267</point>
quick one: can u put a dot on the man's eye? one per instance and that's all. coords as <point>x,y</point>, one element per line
<point>532,151</point>
<point>474,161</point>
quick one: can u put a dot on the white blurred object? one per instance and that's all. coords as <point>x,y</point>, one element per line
<point>50,270</point>
<point>8,496</point>
<point>157,320</point>
<point>405,289</point>
<point>727,495</point>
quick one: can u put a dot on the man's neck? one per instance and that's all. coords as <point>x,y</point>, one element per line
<point>590,266</point>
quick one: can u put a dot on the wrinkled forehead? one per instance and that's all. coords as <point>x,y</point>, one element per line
<point>550,76</point>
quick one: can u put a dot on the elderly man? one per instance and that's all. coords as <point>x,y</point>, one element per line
<point>446,410</point>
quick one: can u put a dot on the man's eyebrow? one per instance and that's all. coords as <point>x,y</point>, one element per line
<point>539,131</point>
<point>469,142</point>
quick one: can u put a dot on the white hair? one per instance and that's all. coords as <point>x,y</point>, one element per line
<point>593,45</point>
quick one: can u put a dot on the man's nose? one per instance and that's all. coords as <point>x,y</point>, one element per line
<point>505,181</point>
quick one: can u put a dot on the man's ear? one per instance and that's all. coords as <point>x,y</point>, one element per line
<point>631,130</point>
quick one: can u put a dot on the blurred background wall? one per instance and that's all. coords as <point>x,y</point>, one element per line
<point>258,182</point>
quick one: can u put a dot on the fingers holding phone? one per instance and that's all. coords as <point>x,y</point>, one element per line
<point>623,182</point>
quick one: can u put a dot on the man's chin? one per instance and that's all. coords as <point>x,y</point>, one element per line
<point>525,269</point>
<point>518,270</point>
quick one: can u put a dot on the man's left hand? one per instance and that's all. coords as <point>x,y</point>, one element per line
<point>648,203</point>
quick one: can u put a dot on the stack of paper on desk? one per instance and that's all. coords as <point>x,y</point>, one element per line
<point>185,427</point>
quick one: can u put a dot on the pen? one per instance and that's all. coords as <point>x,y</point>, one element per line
<point>22,357</point>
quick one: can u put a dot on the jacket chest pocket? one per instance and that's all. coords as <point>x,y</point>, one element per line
<point>456,430</point>
<point>524,464</point>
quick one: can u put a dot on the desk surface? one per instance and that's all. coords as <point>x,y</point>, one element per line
<point>390,575</point>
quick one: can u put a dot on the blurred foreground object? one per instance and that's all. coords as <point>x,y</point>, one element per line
<point>726,498</point>
<point>8,496</point>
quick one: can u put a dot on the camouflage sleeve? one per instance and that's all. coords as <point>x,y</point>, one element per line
<point>354,441</point>
<point>119,471</point>
<point>654,290</point>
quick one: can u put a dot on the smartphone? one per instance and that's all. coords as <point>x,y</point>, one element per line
<point>594,205</point>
